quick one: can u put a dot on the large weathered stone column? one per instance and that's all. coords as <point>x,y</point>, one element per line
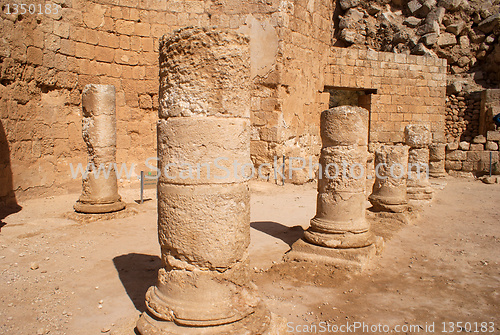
<point>204,210</point>
<point>418,138</point>
<point>99,188</point>
<point>437,160</point>
<point>339,233</point>
<point>391,171</point>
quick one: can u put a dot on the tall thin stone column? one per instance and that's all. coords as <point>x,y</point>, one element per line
<point>437,156</point>
<point>339,233</point>
<point>203,209</point>
<point>391,170</point>
<point>418,138</point>
<point>99,186</point>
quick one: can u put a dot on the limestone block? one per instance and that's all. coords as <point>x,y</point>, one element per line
<point>493,135</point>
<point>457,155</point>
<point>200,150</point>
<point>346,126</point>
<point>490,145</point>
<point>216,62</point>
<point>218,236</point>
<point>342,169</point>
<point>452,146</point>
<point>437,152</point>
<point>479,139</point>
<point>389,189</point>
<point>477,147</point>
<point>464,145</point>
<point>417,136</point>
<point>453,165</point>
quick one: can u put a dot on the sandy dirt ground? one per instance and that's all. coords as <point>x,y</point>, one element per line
<point>63,273</point>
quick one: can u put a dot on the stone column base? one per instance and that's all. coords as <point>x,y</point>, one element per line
<point>261,322</point>
<point>385,204</point>
<point>420,193</point>
<point>353,259</point>
<point>98,208</point>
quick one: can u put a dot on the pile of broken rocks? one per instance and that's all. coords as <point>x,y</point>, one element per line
<point>465,32</point>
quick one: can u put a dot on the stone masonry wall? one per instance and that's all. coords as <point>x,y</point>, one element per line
<point>47,59</point>
<point>462,116</point>
<point>410,89</point>
<point>286,109</point>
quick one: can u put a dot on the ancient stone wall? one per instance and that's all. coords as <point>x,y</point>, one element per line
<point>409,89</point>
<point>47,59</point>
<point>287,107</point>
<point>462,116</point>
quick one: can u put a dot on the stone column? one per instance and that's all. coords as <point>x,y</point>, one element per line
<point>339,233</point>
<point>391,171</point>
<point>99,186</point>
<point>418,138</point>
<point>204,210</point>
<point>437,160</point>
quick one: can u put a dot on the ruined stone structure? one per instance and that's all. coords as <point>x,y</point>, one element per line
<point>471,134</point>
<point>48,59</point>
<point>204,220</point>
<point>418,138</point>
<point>99,186</point>
<point>389,191</point>
<point>339,233</point>
<point>490,106</point>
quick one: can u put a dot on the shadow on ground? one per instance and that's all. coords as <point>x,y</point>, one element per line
<point>287,234</point>
<point>137,273</point>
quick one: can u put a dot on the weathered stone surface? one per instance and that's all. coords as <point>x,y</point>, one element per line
<point>447,39</point>
<point>183,91</point>
<point>490,145</point>
<point>456,28</point>
<point>493,135</point>
<point>437,169</point>
<point>352,36</point>
<point>490,23</point>
<point>203,158</point>
<point>437,152</point>
<point>479,139</point>
<point>418,185</point>
<point>204,224</point>
<point>344,125</point>
<point>452,146</point>
<point>346,4</point>
<point>453,165</point>
<point>450,5</point>
<point>477,147</point>
<point>417,136</point>
<point>412,21</point>
<point>457,155</point>
<point>389,191</point>
<point>99,186</point>
<point>464,145</point>
<point>340,215</point>
<point>340,223</point>
<point>430,39</point>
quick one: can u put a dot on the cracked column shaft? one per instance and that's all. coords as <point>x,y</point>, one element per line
<point>99,186</point>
